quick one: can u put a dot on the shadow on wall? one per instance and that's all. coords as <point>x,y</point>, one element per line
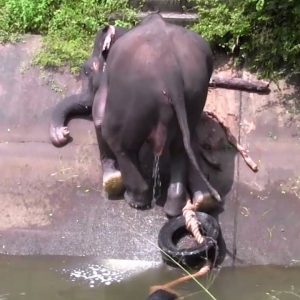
<point>213,141</point>
<point>212,144</point>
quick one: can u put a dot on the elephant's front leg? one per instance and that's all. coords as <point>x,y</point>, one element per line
<point>80,104</point>
<point>176,197</point>
<point>111,177</point>
<point>112,180</point>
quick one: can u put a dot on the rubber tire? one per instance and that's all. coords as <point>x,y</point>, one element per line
<point>174,229</point>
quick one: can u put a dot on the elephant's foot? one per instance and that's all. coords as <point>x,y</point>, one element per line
<point>176,200</point>
<point>113,183</point>
<point>141,201</point>
<point>59,136</point>
<point>112,180</point>
<point>205,201</point>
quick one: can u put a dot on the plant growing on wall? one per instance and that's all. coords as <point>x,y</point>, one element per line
<point>264,34</point>
<point>69,26</point>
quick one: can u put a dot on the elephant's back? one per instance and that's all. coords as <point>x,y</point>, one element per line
<point>144,54</point>
<point>142,47</point>
<point>194,58</point>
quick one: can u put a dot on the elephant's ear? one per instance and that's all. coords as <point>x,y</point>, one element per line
<point>109,33</point>
<point>105,39</point>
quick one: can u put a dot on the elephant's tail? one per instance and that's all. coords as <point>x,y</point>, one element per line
<point>180,110</point>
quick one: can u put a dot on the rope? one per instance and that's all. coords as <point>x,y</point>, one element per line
<point>191,221</point>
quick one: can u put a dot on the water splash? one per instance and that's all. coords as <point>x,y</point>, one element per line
<point>109,272</point>
<point>95,275</point>
<point>156,192</point>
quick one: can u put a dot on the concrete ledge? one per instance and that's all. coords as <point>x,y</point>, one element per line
<point>182,19</point>
<point>164,5</point>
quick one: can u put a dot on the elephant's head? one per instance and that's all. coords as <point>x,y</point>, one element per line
<point>91,72</point>
<point>93,68</point>
<point>105,39</point>
<point>91,77</point>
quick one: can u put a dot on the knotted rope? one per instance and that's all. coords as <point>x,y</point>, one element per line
<point>191,221</point>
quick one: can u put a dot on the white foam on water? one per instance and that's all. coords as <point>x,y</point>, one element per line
<point>108,272</point>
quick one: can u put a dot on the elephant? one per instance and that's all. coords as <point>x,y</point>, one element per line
<point>94,94</point>
<point>90,75</point>
<point>153,89</point>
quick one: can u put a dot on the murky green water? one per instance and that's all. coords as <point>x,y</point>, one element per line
<point>43,278</point>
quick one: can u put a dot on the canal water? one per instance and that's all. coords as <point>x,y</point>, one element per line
<point>53,278</point>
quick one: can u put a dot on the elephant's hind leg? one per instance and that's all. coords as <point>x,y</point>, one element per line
<point>176,197</point>
<point>126,151</point>
<point>138,194</point>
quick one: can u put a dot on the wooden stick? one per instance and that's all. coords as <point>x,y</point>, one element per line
<point>256,86</point>
<point>232,140</point>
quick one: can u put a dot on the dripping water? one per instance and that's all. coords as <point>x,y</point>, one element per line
<point>156,192</point>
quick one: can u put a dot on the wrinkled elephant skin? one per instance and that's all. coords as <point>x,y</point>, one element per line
<point>157,83</point>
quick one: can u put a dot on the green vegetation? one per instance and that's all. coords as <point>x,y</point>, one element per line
<point>69,26</point>
<point>264,34</point>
